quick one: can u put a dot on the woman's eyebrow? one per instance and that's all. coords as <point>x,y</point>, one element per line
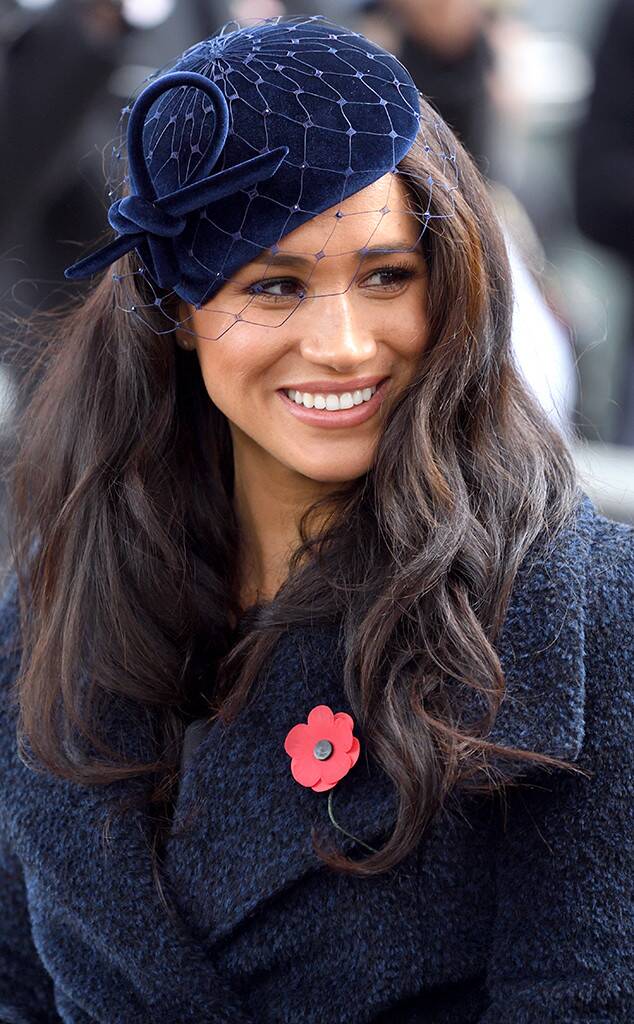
<point>295,259</point>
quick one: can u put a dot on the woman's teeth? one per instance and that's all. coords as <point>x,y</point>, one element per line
<point>331,402</point>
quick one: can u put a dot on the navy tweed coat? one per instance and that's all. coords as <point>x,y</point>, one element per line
<point>517,918</point>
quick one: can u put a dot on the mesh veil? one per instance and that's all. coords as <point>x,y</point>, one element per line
<point>297,119</point>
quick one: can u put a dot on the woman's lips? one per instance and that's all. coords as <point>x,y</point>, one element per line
<point>340,417</point>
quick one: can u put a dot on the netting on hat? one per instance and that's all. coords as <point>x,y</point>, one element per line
<point>333,114</point>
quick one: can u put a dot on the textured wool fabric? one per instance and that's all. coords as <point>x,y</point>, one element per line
<point>516,918</point>
<point>247,135</point>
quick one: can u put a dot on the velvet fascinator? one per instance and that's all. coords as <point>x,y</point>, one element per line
<point>247,135</point>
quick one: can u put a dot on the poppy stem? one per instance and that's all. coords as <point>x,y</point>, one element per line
<point>343,829</point>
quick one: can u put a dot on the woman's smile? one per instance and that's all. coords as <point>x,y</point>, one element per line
<point>330,418</point>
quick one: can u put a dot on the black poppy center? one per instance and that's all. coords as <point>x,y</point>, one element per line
<point>322,749</point>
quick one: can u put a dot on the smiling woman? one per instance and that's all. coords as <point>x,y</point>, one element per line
<point>281,492</point>
<point>292,395</point>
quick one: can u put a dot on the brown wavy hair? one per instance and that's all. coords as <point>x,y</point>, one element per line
<point>134,584</point>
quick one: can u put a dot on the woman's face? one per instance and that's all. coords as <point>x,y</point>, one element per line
<point>356,320</point>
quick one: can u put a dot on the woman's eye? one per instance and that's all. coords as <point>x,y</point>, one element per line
<point>393,277</point>
<point>259,288</point>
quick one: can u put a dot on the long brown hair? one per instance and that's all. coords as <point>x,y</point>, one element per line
<point>133,586</point>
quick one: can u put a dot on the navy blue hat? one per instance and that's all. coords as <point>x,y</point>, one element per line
<point>249,134</point>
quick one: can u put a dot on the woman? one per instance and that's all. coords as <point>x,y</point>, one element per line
<point>403,600</point>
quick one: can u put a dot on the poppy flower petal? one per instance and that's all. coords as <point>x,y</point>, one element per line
<point>322,786</point>
<point>306,770</point>
<point>335,767</point>
<point>321,718</point>
<point>298,740</point>
<point>341,735</point>
<point>354,751</point>
<point>343,716</point>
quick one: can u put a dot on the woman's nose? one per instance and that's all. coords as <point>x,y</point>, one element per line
<point>337,331</point>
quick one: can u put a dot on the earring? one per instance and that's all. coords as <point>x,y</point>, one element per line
<point>187,345</point>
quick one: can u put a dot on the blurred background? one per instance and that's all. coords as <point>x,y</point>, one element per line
<point>539,91</point>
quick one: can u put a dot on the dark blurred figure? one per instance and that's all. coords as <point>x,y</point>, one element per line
<point>58,109</point>
<point>604,173</point>
<point>66,70</point>
<point>54,63</point>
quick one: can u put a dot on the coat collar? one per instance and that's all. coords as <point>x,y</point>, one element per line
<point>250,836</point>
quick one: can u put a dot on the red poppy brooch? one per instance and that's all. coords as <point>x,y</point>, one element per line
<point>323,750</point>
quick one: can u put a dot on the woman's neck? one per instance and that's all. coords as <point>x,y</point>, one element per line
<point>268,501</point>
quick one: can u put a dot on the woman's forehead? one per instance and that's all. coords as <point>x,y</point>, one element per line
<point>378,217</point>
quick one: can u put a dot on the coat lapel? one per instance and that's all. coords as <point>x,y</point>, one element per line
<point>251,832</point>
<point>248,822</point>
<point>542,647</point>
